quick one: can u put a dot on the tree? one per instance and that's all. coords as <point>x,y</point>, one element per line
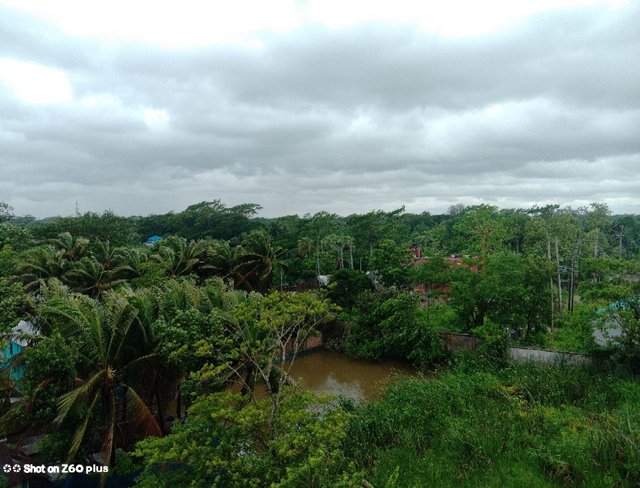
<point>68,247</point>
<point>108,336</point>
<point>14,236</point>
<point>13,302</point>
<point>392,263</point>
<point>339,243</point>
<point>260,262</point>
<point>512,292</point>
<point>226,441</point>
<point>267,330</point>
<point>90,277</point>
<point>105,227</point>
<point>482,229</point>
<point>346,285</point>
<point>39,265</point>
<point>6,212</point>
<point>178,257</point>
<point>224,260</point>
<point>598,221</point>
<point>391,325</point>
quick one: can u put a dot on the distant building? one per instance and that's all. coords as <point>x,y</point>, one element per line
<point>152,240</point>
<point>19,338</point>
<point>607,330</point>
<point>323,280</point>
<point>438,290</point>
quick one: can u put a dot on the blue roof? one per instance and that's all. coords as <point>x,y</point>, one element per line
<point>615,306</point>
<point>154,239</point>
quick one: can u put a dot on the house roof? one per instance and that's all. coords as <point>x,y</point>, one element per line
<point>21,332</point>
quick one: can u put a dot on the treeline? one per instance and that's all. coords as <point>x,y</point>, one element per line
<point>330,241</point>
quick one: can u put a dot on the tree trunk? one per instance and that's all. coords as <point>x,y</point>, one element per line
<point>179,404</point>
<point>249,381</point>
<point>551,287</point>
<point>560,305</point>
<point>160,410</point>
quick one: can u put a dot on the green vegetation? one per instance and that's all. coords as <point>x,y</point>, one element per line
<point>171,362</point>
<point>522,426</point>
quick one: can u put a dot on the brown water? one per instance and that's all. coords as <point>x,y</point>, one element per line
<point>331,372</point>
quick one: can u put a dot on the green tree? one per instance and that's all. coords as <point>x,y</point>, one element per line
<point>260,262</point>
<point>13,302</point>
<point>226,441</point>
<point>392,264</point>
<point>346,285</point>
<point>483,230</point>
<point>178,257</point>
<point>6,212</point>
<point>391,325</point>
<point>39,265</point>
<point>109,340</point>
<point>512,292</point>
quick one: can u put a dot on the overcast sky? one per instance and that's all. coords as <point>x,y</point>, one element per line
<point>318,105</point>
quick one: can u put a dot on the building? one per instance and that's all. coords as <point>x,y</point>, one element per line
<point>152,240</point>
<point>436,289</point>
<point>19,338</point>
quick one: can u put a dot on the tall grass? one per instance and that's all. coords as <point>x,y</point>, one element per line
<point>521,426</point>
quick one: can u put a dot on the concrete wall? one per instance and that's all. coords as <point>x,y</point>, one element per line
<point>454,341</point>
<point>467,342</point>
<point>545,356</point>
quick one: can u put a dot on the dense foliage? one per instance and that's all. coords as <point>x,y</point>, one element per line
<point>522,426</point>
<point>170,362</point>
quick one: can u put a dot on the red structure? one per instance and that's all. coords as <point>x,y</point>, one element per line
<point>440,289</point>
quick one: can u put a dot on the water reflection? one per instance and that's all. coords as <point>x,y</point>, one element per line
<point>337,374</point>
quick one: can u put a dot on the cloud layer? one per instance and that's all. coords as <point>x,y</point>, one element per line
<point>370,115</point>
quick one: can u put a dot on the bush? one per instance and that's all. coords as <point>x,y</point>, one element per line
<point>346,285</point>
<point>391,325</point>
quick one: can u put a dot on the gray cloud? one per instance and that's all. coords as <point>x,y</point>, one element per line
<point>365,117</point>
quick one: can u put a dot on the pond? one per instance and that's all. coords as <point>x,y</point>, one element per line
<point>325,371</point>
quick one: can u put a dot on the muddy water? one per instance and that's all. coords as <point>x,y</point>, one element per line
<point>331,372</point>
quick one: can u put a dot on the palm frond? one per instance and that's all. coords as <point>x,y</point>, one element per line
<point>67,401</point>
<point>140,414</point>
<point>80,432</point>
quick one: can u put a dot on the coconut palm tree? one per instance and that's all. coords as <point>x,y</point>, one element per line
<point>129,262</point>
<point>305,247</point>
<point>179,257</point>
<point>68,247</point>
<point>104,253</point>
<point>260,261</point>
<point>223,260</point>
<point>90,277</point>
<point>39,265</point>
<point>112,348</point>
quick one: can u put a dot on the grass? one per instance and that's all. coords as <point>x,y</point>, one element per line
<point>519,426</point>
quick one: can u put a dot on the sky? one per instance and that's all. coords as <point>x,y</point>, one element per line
<point>302,106</point>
